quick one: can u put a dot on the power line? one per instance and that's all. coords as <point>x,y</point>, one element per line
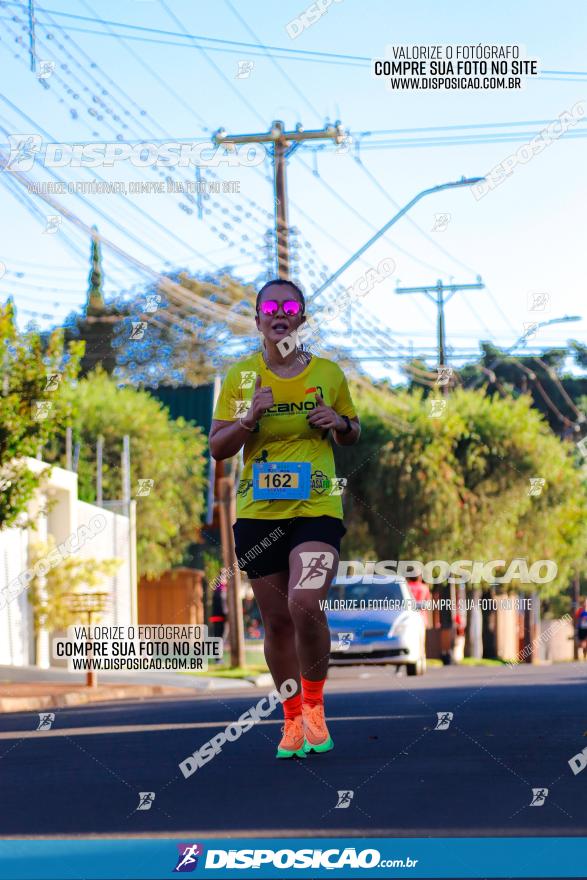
<point>211,61</point>
<point>291,53</point>
<point>410,220</point>
<point>224,237</point>
<point>288,52</point>
<point>206,308</point>
<point>440,302</point>
<point>368,223</point>
<point>135,207</point>
<point>286,76</point>
<point>465,140</point>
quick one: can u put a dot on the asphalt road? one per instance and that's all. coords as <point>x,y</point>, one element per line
<point>512,730</point>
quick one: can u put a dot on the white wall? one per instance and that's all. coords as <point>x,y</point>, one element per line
<point>114,541</point>
<point>16,624</point>
<point>65,514</point>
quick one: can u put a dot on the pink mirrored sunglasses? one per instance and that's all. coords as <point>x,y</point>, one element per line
<point>270,307</point>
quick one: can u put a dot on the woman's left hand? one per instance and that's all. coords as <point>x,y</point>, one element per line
<point>323,416</point>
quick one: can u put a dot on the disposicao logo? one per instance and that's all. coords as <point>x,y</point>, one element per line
<point>187,859</point>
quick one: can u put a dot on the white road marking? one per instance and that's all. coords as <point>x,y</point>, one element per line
<point>157,728</point>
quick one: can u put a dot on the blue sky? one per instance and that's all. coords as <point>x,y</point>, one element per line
<point>524,237</point>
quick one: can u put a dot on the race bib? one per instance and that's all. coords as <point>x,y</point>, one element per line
<point>280,480</point>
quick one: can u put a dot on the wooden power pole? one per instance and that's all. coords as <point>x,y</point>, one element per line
<point>284,143</point>
<point>226,516</point>
<point>436,294</point>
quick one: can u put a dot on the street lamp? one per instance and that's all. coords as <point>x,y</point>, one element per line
<point>522,340</point>
<point>564,320</point>
<point>464,181</point>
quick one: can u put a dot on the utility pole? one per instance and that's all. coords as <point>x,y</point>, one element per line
<point>32,49</point>
<point>284,143</point>
<point>436,294</point>
<point>226,516</point>
<point>574,605</point>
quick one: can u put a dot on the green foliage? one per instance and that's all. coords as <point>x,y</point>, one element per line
<point>73,574</point>
<point>186,348</point>
<point>554,391</point>
<point>26,394</point>
<point>169,452</point>
<point>457,487</point>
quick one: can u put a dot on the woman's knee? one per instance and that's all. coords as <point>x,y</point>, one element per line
<point>277,625</point>
<point>306,612</point>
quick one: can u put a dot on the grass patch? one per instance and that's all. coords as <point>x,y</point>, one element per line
<point>222,671</point>
<point>481,661</point>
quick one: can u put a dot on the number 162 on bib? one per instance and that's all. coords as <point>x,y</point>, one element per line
<point>273,480</point>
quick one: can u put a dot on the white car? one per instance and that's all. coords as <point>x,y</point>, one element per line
<point>376,622</point>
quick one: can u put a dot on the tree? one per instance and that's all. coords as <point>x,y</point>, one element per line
<point>34,407</point>
<point>178,345</point>
<point>95,303</point>
<point>458,486</point>
<point>554,391</point>
<point>97,325</point>
<point>170,453</point>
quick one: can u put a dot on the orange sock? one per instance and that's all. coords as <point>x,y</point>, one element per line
<point>313,691</point>
<point>292,706</point>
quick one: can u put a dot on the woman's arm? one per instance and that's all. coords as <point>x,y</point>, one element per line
<point>227,438</point>
<point>326,417</point>
<point>351,437</point>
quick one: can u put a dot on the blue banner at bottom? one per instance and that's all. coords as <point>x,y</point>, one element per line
<point>422,857</point>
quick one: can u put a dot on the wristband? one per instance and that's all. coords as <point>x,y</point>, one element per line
<point>246,427</point>
<point>349,427</point>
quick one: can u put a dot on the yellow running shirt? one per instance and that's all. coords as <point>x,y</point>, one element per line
<point>284,434</point>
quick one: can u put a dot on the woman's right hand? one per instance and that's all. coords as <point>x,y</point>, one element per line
<point>262,400</point>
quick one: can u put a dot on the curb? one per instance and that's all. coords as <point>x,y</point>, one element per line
<point>262,680</point>
<point>79,698</point>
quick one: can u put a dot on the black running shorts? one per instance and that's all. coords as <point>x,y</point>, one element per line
<point>263,545</point>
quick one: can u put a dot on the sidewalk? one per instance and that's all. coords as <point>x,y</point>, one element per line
<point>30,688</point>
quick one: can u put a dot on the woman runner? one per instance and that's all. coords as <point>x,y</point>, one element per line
<point>281,404</point>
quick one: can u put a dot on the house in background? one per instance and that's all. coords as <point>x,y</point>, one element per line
<point>56,509</point>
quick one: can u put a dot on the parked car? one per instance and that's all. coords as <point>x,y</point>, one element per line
<point>362,632</point>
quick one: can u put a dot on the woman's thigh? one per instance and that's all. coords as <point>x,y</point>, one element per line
<point>312,567</point>
<point>271,595</point>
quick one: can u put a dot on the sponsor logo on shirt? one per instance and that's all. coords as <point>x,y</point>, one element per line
<point>301,406</point>
<point>279,409</point>
<point>320,482</point>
